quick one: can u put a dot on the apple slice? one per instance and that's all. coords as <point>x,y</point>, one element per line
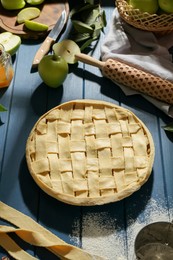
<point>13,5</point>
<point>34,2</point>
<point>35,26</point>
<point>11,42</point>
<point>67,49</point>
<point>27,14</point>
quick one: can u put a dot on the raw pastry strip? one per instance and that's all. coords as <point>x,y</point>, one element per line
<point>35,234</point>
<point>12,248</point>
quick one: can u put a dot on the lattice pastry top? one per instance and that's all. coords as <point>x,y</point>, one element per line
<point>88,152</point>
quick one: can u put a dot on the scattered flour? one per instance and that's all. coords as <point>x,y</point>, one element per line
<point>101,235</point>
<point>154,211</point>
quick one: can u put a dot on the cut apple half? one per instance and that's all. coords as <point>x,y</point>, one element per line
<point>11,42</point>
<point>27,13</point>
<point>67,49</point>
<point>35,26</point>
<point>34,2</point>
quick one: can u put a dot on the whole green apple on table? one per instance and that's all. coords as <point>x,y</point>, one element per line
<point>53,70</point>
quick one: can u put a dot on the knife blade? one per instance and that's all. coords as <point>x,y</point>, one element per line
<point>50,39</point>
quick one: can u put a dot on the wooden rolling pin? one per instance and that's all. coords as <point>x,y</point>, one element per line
<point>129,76</point>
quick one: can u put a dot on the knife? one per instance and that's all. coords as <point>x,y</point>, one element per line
<point>50,39</point>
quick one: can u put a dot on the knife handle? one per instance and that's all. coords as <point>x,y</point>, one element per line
<point>43,50</point>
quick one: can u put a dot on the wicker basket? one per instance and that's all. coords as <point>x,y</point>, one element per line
<point>160,24</point>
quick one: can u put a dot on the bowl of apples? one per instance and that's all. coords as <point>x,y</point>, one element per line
<point>150,15</point>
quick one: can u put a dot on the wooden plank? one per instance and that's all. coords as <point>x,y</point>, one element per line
<point>166,154</point>
<point>103,227</point>
<point>61,217</point>
<point>5,100</point>
<point>149,204</point>
<point>107,230</point>
<point>56,216</point>
<point>17,188</point>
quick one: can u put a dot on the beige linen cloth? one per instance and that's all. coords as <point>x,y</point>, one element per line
<point>141,49</point>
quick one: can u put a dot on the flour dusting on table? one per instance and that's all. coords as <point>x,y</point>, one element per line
<point>101,235</point>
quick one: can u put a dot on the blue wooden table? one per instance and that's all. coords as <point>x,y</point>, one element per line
<point>107,230</point>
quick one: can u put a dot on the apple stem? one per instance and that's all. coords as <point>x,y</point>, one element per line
<point>55,57</point>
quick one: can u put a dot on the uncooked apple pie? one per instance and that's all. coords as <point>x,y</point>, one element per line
<point>88,152</point>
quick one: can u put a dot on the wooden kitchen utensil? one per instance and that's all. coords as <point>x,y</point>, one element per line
<point>132,77</point>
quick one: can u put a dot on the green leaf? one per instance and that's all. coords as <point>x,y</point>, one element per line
<point>82,27</point>
<point>2,108</point>
<point>81,37</point>
<point>80,10</point>
<point>104,18</point>
<point>89,1</point>
<point>86,44</point>
<point>91,17</point>
<point>88,7</point>
<point>75,10</point>
<point>168,127</point>
<point>88,21</point>
<point>96,34</point>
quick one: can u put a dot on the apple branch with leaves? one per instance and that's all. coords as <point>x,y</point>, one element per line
<point>88,21</point>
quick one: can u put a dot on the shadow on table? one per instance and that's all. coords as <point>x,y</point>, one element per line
<point>54,215</point>
<point>110,89</point>
<point>136,203</point>
<point>35,199</point>
<point>40,98</point>
<point>131,206</point>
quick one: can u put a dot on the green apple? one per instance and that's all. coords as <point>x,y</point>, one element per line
<point>166,5</point>
<point>149,6</point>
<point>35,26</point>
<point>11,42</point>
<point>27,13</point>
<point>13,4</point>
<point>53,70</point>
<point>67,49</point>
<point>34,2</point>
